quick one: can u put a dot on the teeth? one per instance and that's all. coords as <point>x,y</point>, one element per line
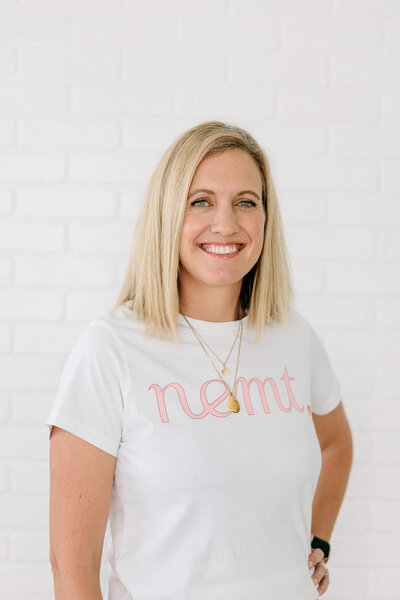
<point>221,249</point>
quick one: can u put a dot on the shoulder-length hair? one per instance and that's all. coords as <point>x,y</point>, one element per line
<point>151,282</point>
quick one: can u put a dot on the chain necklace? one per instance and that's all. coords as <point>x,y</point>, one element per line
<point>224,370</point>
<point>233,403</point>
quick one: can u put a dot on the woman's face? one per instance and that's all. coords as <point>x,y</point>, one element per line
<point>227,213</point>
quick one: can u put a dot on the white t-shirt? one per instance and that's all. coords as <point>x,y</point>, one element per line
<point>206,504</point>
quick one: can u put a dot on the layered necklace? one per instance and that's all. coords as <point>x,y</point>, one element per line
<point>233,403</point>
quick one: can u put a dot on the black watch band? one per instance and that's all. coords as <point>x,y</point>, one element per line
<point>316,542</point>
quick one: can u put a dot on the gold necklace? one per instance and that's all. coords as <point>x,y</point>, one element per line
<point>233,403</point>
<point>224,370</point>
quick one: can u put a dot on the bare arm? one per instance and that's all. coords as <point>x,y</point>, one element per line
<point>81,480</point>
<point>335,438</point>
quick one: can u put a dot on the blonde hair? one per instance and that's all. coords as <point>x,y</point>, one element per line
<point>151,279</point>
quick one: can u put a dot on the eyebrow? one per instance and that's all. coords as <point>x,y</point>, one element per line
<point>213,193</point>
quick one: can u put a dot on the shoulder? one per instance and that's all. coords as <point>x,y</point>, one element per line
<point>120,328</point>
<point>117,320</point>
<point>100,338</point>
<point>298,330</point>
<point>96,349</point>
<point>298,323</point>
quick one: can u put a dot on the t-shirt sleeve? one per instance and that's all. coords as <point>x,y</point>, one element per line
<point>90,398</point>
<point>325,387</point>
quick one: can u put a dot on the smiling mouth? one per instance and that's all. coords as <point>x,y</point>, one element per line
<point>222,254</point>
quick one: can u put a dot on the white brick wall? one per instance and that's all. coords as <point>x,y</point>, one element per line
<point>92,92</point>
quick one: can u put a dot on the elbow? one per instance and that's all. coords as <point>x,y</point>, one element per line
<point>349,446</point>
<point>53,561</point>
<point>342,448</point>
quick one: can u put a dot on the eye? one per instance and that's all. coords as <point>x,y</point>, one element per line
<point>249,202</point>
<point>194,203</point>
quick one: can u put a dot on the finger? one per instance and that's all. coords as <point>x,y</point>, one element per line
<point>319,573</point>
<point>315,556</point>
<point>323,584</point>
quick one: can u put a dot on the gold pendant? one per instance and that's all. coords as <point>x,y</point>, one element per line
<point>233,404</point>
<point>225,371</point>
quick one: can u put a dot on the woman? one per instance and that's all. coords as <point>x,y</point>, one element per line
<point>199,414</point>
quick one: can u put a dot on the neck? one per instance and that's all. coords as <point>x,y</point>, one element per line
<point>211,307</point>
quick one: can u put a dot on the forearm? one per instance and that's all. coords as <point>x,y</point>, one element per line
<point>79,583</point>
<point>331,487</point>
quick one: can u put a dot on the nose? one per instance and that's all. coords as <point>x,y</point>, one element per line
<point>224,221</point>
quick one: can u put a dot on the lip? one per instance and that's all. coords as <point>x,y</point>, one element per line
<point>222,256</point>
<point>242,244</point>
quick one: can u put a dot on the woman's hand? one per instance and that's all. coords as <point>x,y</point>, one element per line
<point>320,579</point>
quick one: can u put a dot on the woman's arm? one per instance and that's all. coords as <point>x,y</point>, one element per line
<point>80,583</point>
<point>81,480</point>
<point>335,438</point>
